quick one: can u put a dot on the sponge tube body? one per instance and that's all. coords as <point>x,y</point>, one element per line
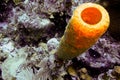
<point>89,21</point>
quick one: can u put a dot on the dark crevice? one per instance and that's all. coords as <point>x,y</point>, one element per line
<point>94,53</point>
<point>60,22</point>
<point>5,9</point>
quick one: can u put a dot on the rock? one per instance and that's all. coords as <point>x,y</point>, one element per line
<point>72,71</point>
<point>112,74</point>
<point>84,74</point>
<point>117,69</point>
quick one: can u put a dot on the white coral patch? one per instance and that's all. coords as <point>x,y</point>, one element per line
<point>11,65</point>
<point>23,18</point>
<point>52,44</point>
<point>45,22</point>
<point>8,47</point>
<point>26,74</point>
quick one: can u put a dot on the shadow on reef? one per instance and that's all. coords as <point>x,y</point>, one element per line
<point>114,28</point>
<point>60,22</point>
<point>113,7</point>
<point>32,36</point>
<point>0,74</point>
<point>25,35</point>
<point>94,62</point>
<point>5,9</point>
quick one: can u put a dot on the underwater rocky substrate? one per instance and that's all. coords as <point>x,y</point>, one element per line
<point>28,41</point>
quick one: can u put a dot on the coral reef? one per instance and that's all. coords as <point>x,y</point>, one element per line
<point>30,33</point>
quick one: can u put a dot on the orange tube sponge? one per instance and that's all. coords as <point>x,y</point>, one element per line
<point>89,21</point>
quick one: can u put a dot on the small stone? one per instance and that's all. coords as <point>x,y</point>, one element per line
<point>51,16</point>
<point>84,70</point>
<point>117,69</point>
<point>72,71</point>
<point>83,77</point>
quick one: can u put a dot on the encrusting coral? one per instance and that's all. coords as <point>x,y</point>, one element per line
<point>89,22</point>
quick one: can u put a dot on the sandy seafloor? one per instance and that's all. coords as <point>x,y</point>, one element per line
<point>30,33</point>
